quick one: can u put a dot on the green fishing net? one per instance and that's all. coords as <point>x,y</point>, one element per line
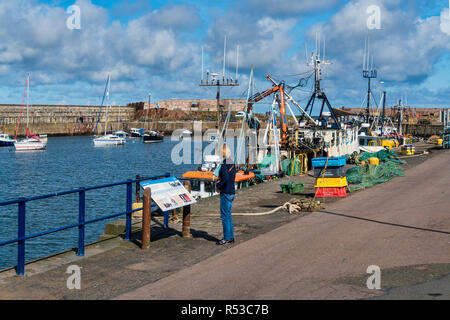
<point>384,156</point>
<point>291,168</point>
<point>362,177</point>
<point>268,160</point>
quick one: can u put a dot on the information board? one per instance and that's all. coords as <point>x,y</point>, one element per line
<point>169,193</point>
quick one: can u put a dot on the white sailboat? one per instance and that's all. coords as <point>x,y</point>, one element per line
<point>32,141</point>
<point>108,139</point>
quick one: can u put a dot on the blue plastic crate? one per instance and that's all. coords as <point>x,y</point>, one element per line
<point>332,162</point>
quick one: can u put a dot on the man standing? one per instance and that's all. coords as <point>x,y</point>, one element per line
<point>225,186</point>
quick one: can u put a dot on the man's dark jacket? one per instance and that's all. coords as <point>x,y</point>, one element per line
<point>227,174</point>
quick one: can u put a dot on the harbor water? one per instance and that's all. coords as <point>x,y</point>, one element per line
<point>70,163</point>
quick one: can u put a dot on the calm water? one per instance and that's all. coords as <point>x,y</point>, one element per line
<point>69,163</point>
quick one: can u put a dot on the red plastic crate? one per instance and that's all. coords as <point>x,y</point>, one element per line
<point>331,192</point>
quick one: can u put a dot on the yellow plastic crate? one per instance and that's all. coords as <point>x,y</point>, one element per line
<point>331,182</point>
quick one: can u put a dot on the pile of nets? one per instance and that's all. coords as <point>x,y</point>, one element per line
<point>384,155</point>
<point>291,167</point>
<point>259,178</point>
<point>365,176</point>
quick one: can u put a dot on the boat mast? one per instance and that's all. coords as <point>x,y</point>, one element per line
<point>107,103</point>
<point>28,98</point>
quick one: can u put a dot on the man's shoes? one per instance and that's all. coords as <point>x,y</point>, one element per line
<point>223,241</point>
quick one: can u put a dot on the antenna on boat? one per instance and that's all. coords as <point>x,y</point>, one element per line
<point>306,53</point>
<point>224,56</point>
<point>237,61</point>
<point>316,63</point>
<point>369,73</point>
<point>202,65</point>
<point>217,82</point>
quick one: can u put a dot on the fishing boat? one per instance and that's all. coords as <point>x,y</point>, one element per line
<point>150,136</point>
<point>33,141</point>
<point>135,132</point>
<point>107,139</point>
<point>203,181</point>
<point>377,131</point>
<point>6,141</point>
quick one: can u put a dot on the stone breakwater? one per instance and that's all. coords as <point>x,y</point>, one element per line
<point>61,120</point>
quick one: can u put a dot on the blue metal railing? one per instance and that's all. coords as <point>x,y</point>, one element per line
<point>82,222</point>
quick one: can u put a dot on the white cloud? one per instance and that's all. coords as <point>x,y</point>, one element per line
<point>34,38</point>
<point>291,7</point>
<point>404,50</point>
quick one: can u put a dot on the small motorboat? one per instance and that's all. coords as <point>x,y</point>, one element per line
<point>6,141</point>
<point>150,136</point>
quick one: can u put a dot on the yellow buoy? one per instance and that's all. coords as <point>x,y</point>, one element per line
<point>440,141</point>
<point>374,161</point>
<point>388,144</point>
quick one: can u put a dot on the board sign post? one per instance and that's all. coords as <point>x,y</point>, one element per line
<point>169,194</point>
<point>186,233</point>
<point>146,219</point>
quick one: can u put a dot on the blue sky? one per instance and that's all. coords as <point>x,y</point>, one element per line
<point>155,47</point>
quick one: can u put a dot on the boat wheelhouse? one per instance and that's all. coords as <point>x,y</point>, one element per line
<point>203,183</point>
<point>6,141</point>
<point>135,132</point>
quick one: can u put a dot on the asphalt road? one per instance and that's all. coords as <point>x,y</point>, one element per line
<point>403,223</point>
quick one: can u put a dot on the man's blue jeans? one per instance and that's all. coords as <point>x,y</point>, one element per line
<point>226,202</point>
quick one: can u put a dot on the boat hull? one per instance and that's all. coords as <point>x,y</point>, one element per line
<point>29,146</point>
<point>101,143</point>
<point>151,139</point>
<point>135,135</point>
<point>6,143</point>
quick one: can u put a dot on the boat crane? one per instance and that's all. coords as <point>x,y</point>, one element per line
<point>281,96</point>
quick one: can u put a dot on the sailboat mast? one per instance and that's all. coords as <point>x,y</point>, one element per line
<point>28,98</point>
<point>107,104</point>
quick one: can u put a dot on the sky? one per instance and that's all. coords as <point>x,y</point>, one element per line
<point>154,47</point>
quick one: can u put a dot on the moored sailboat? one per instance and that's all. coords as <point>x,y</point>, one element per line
<point>33,141</point>
<point>107,139</point>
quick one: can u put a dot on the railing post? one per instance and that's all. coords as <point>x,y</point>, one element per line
<point>128,216</point>
<point>146,219</point>
<point>138,189</point>
<point>81,220</point>
<point>20,270</point>
<point>187,215</point>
